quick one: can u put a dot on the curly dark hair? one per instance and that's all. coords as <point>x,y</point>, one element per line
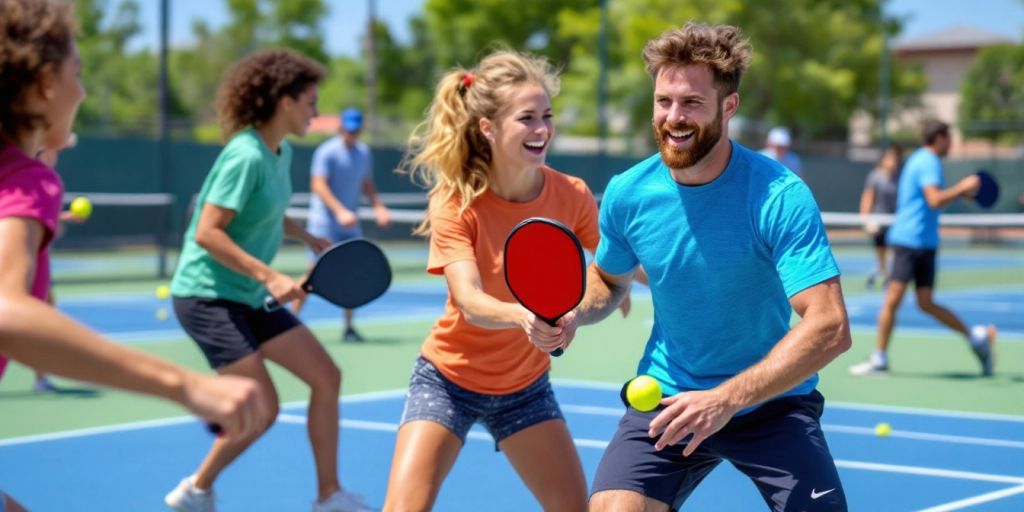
<point>252,87</point>
<point>33,34</point>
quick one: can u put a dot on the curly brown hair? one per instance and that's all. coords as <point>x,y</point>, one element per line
<point>721,47</point>
<point>34,34</point>
<point>251,88</point>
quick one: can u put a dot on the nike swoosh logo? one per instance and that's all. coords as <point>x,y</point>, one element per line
<point>815,495</point>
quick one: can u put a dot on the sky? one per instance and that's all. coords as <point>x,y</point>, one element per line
<point>347,18</point>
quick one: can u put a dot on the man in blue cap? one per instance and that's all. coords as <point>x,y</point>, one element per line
<point>341,173</point>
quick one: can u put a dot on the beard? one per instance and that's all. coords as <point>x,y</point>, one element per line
<point>704,140</point>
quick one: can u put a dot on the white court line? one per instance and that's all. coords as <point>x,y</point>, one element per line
<point>171,334</point>
<point>844,429</point>
<point>926,436</point>
<point>585,443</point>
<point>83,432</point>
<point>829,404</point>
<point>166,422</point>
<point>941,333</point>
<point>396,393</point>
<point>976,500</point>
<point>920,411</point>
<point>380,426</point>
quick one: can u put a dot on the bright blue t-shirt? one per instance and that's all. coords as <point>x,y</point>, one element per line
<point>345,169</point>
<point>723,259</point>
<point>916,224</point>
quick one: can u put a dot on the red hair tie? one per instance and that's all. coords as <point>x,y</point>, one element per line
<point>468,80</point>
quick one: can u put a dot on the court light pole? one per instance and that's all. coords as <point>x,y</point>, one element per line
<point>371,69</point>
<point>884,91</point>
<point>602,81</point>
<point>162,128</point>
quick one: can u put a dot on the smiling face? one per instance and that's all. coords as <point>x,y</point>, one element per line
<point>689,119</point>
<point>522,132</point>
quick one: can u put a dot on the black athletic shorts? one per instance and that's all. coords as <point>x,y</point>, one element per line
<point>879,238</point>
<point>780,446</point>
<point>917,265</point>
<point>227,331</point>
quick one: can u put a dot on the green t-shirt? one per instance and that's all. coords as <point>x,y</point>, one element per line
<point>256,184</point>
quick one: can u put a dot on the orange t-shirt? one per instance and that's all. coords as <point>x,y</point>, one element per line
<point>496,361</point>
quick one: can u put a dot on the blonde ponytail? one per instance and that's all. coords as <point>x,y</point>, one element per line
<point>447,153</point>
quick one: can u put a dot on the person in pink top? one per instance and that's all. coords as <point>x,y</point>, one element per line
<point>39,81</point>
<point>49,156</point>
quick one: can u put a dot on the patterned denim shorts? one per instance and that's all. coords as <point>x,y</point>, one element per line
<point>433,397</point>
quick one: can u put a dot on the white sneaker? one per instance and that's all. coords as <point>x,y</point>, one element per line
<point>869,367</point>
<point>43,385</point>
<point>186,498</point>
<point>343,501</point>
<point>983,341</point>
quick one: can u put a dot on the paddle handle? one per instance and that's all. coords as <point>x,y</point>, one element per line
<point>558,351</point>
<point>271,304</point>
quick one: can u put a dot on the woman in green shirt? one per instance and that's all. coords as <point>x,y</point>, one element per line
<point>224,273</point>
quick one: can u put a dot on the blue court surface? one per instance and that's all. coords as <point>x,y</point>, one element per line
<point>1003,308</point>
<point>933,461</point>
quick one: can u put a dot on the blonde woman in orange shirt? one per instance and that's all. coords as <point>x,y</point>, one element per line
<point>481,151</point>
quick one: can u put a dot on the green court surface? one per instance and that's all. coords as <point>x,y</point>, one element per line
<point>932,368</point>
<point>940,454</point>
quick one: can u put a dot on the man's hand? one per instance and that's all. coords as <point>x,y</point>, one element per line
<point>346,217</point>
<point>700,413</point>
<point>969,186</point>
<point>383,216</point>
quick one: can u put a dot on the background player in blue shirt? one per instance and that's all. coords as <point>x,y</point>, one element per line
<point>733,244</point>
<point>341,173</point>
<point>914,237</point>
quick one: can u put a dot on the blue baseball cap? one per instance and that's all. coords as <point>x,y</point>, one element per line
<point>351,120</point>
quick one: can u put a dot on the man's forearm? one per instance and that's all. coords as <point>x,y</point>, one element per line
<point>602,297</point>
<point>805,350</point>
<point>323,191</point>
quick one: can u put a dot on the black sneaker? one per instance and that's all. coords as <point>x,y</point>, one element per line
<point>351,335</point>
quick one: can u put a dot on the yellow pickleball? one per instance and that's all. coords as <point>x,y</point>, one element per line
<point>81,207</point>
<point>162,292</point>
<point>883,429</point>
<point>162,314</point>
<point>643,393</point>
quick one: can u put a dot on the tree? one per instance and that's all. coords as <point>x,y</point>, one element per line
<point>121,85</point>
<point>459,32</point>
<point>992,95</point>
<point>815,61</point>
<point>462,30</point>
<point>252,25</point>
